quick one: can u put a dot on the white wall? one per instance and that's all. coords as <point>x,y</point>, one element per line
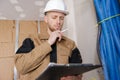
<point>81,22</point>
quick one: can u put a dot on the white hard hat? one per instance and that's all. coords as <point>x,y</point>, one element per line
<point>56,5</point>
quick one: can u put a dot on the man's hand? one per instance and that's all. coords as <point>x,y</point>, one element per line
<point>78,77</point>
<point>54,36</point>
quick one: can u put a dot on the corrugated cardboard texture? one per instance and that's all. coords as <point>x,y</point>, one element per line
<point>28,27</point>
<point>7,30</point>
<point>7,43</point>
<point>6,68</point>
<point>6,49</point>
<point>43,28</point>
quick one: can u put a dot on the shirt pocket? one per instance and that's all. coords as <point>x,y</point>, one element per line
<point>63,56</point>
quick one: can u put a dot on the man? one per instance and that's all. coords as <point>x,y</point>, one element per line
<point>38,51</point>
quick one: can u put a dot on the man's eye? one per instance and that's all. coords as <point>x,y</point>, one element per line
<point>53,17</point>
<point>62,18</point>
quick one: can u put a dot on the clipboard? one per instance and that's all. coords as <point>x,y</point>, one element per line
<point>55,71</point>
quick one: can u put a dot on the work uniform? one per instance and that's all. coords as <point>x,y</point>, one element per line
<point>35,54</point>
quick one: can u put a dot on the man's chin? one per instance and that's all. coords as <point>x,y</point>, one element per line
<point>54,30</point>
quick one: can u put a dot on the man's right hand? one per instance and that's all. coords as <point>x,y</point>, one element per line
<point>54,36</point>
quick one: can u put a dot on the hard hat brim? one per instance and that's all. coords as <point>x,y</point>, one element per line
<point>61,11</point>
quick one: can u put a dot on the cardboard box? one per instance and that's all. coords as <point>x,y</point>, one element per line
<point>6,68</point>
<point>7,31</point>
<point>28,27</point>
<point>7,23</point>
<point>43,27</point>
<point>5,36</point>
<point>7,49</point>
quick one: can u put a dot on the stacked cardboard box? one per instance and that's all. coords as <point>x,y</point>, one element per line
<point>7,38</point>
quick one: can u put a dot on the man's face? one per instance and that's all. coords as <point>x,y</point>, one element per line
<point>54,20</point>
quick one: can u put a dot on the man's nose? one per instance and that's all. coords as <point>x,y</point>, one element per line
<point>58,20</point>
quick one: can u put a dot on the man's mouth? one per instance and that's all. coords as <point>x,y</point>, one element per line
<point>58,28</point>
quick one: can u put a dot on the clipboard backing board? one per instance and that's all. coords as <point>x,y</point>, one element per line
<point>55,71</point>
